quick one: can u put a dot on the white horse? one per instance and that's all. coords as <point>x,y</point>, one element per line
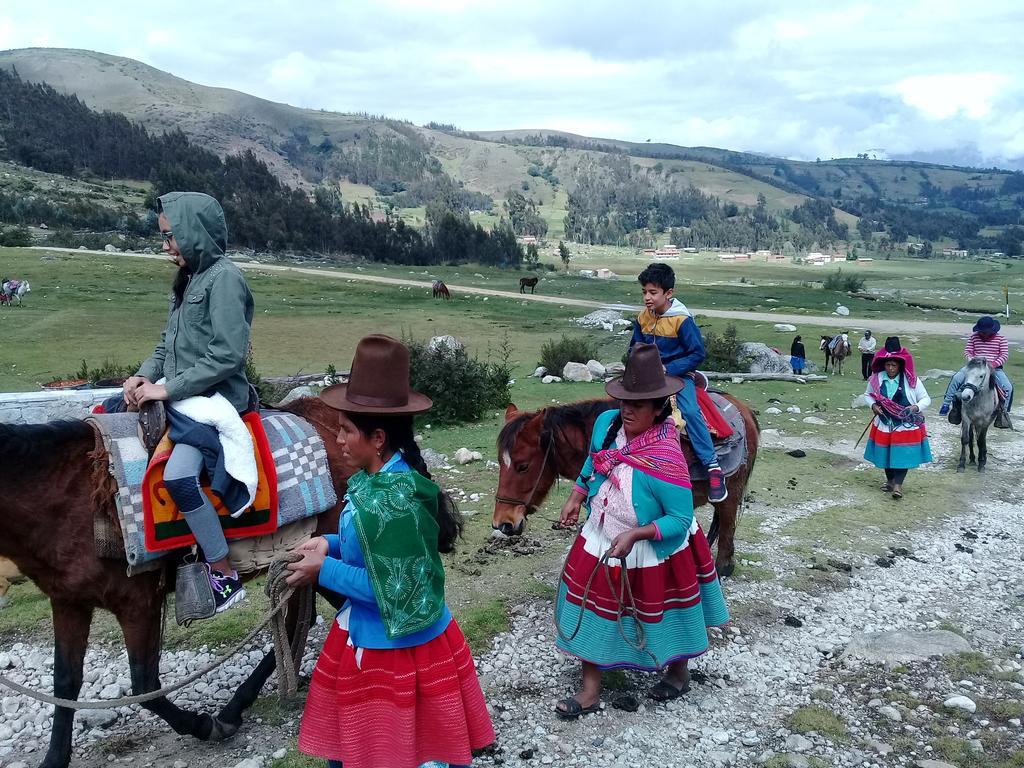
<point>980,403</point>
<point>15,289</point>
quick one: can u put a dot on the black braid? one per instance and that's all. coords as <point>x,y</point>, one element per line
<point>398,432</point>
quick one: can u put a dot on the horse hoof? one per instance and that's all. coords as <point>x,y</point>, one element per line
<point>222,731</point>
<point>981,467</point>
<point>726,569</point>
<point>960,468</point>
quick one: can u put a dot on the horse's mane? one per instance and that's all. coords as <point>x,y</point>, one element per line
<point>25,445</point>
<point>556,420</point>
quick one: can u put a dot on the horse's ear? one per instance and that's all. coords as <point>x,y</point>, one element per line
<point>511,412</point>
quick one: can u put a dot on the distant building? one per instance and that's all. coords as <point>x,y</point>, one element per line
<point>776,257</point>
<point>862,259</point>
<point>689,249</point>
<point>606,274</point>
<point>818,258</point>
<point>527,240</point>
<point>588,273</point>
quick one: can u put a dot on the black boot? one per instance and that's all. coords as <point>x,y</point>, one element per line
<point>1002,420</point>
<point>955,414</point>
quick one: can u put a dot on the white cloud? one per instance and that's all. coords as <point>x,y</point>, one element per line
<point>789,77</point>
<point>943,96</point>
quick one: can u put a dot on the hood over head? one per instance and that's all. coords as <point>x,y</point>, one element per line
<point>197,222</point>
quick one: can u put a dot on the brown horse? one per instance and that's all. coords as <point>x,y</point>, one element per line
<point>537,448</point>
<point>440,290</point>
<point>528,282</point>
<point>836,349</point>
<point>57,482</point>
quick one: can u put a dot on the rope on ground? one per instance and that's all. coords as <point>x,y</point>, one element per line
<point>288,658</point>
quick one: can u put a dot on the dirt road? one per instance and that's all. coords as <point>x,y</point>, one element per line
<point>1014,333</point>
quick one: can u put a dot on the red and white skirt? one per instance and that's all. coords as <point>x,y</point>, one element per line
<point>395,707</point>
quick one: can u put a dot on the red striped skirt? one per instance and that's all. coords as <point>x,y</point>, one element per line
<point>399,707</point>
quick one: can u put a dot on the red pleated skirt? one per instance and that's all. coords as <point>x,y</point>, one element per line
<point>400,707</point>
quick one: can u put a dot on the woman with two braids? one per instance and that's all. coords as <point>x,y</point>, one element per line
<point>639,587</point>
<point>898,439</point>
<point>395,683</point>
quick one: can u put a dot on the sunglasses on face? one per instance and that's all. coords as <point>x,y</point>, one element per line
<point>167,236</point>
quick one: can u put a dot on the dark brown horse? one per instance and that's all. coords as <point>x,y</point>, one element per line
<point>440,290</point>
<point>528,282</point>
<point>836,349</point>
<point>537,448</point>
<point>56,481</point>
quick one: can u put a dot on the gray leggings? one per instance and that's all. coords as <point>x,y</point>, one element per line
<point>181,476</point>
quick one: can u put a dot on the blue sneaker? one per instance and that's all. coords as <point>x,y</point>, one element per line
<point>717,489</point>
<point>944,410</point>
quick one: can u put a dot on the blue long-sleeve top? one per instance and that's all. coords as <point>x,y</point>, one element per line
<point>679,340</point>
<point>344,571</point>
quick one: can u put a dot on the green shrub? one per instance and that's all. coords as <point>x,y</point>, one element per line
<point>840,282</point>
<point>569,349</point>
<point>721,350</point>
<point>108,370</point>
<point>268,391</point>
<point>15,237</point>
<point>463,388</point>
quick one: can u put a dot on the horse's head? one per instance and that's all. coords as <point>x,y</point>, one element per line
<point>978,378</point>
<point>526,469</point>
<point>825,341</point>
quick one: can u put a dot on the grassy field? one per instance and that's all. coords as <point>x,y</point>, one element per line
<point>112,308</point>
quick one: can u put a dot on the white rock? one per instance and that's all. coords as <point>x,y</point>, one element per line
<point>901,646</point>
<point>96,718</point>
<point>465,456</point>
<point>798,743</point>
<point>843,311</point>
<point>297,392</point>
<point>5,661</point>
<point>577,372</point>
<point>279,755</point>
<point>551,380</point>
<point>773,410</point>
<point>892,713</point>
<point>814,420</point>
<point>110,248</point>
<point>596,368</point>
<point>793,409</point>
<point>112,691</point>
<point>721,737</point>
<point>860,401</point>
<point>446,343</point>
<point>960,702</point>
<point>785,327</point>
<point>539,371</point>
<point>756,357</point>
<point>249,762</point>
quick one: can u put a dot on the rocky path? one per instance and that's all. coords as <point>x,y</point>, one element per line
<point>775,690</point>
<point>1014,333</point>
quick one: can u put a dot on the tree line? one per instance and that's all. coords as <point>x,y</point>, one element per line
<point>57,133</point>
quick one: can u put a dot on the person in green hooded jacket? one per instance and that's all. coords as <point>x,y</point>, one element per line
<point>201,351</point>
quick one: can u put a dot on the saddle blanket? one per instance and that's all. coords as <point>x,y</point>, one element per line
<point>297,452</point>
<point>731,449</point>
<point>163,524</point>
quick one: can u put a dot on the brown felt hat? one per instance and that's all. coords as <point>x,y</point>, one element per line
<point>379,380</point>
<point>644,377</point>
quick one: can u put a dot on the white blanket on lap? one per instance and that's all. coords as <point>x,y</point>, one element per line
<point>235,440</point>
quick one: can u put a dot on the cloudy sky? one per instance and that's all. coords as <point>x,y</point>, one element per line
<point>937,79</point>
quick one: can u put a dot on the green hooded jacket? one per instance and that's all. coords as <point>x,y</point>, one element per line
<point>203,347</point>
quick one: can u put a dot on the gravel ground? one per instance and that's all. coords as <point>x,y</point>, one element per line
<point>775,688</point>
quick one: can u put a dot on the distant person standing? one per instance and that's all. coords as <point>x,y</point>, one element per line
<point>798,356</point>
<point>867,354</point>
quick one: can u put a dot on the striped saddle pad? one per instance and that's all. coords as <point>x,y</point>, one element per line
<point>304,486</point>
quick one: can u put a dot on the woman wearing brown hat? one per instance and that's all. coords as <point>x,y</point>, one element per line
<point>639,586</point>
<point>395,684</point>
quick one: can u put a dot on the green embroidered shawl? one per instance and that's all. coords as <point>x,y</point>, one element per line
<point>395,520</point>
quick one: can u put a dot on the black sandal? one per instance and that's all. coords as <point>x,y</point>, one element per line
<point>665,691</point>
<point>573,709</point>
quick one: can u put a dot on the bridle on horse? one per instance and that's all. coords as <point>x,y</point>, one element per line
<point>528,502</point>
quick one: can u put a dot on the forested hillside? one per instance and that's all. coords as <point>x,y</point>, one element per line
<point>57,133</point>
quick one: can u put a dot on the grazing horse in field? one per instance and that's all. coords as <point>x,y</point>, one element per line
<point>980,401</point>
<point>537,448</point>
<point>15,289</point>
<point>836,348</point>
<point>56,482</point>
<point>528,282</point>
<point>440,290</point>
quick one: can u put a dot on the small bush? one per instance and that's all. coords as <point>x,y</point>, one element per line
<point>463,388</point>
<point>840,282</point>
<point>16,237</point>
<point>819,720</point>
<point>555,354</point>
<point>721,350</point>
<point>268,391</point>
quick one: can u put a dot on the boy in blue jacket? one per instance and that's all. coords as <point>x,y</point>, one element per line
<point>666,323</point>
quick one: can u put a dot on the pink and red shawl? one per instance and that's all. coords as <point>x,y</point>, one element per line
<point>656,452</point>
